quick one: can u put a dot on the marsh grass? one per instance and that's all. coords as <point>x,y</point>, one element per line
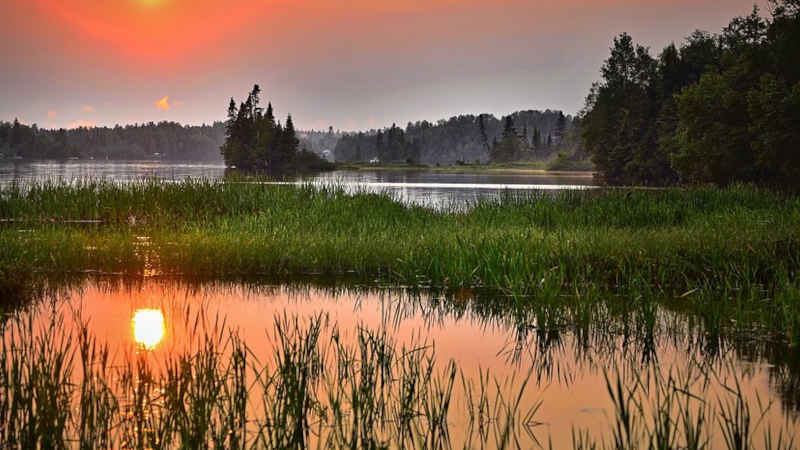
<point>729,255</point>
<point>692,408</point>
<point>650,241</point>
<point>551,262</point>
<point>61,388</point>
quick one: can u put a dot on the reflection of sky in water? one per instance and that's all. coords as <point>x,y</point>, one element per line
<point>568,372</point>
<point>425,188</point>
<point>111,170</point>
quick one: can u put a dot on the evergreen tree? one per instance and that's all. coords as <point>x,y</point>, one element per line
<point>509,147</point>
<point>561,128</point>
<point>619,121</point>
<point>254,141</point>
<point>482,131</point>
<point>379,145</point>
<point>289,141</point>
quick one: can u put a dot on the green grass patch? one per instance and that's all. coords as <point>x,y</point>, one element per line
<point>727,253</point>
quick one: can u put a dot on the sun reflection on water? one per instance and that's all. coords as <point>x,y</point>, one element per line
<point>148,327</point>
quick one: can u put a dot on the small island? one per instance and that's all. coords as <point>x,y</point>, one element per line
<point>255,143</point>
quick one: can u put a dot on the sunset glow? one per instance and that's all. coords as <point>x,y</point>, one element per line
<point>148,327</point>
<point>163,104</point>
<point>353,65</point>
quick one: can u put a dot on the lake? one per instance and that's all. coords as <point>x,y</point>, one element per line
<point>153,319</point>
<point>458,367</point>
<point>420,187</point>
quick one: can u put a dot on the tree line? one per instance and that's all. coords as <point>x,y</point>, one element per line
<point>719,108</point>
<point>256,142</point>
<point>163,140</point>
<point>523,135</point>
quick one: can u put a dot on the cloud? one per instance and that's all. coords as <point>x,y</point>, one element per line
<point>82,124</point>
<point>88,108</point>
<point>51,114</point>
<point>163,104</point>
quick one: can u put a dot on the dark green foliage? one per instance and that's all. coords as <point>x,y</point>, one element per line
<point>482,131</point>
<point>511,146</point>
<point>619,123</point>
<point>720,109</point>
<point>164,140</point>
<point>310,162</point>
<point>775,111</point>
<point>713,133</point>
<point>255,142</point>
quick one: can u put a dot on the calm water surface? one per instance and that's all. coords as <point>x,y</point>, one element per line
<point>566,365</point>
<point>419,187</point>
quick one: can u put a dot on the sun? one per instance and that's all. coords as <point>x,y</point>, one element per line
<point>150,2</point>
<point>148,327</point>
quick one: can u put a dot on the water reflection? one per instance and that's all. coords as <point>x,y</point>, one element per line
<point>565,353</point>
<point>148,327</point>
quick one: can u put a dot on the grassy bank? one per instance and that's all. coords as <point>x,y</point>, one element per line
<point>667,240</point>
<point>731,252</point>
<point>554,167</point>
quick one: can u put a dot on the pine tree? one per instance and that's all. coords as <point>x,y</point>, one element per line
<point>254,141</point>
<point>379,145</point>
<point>482,131</point>
<point>561,128</point>
<point>509,148</point>
<point>289,142</point>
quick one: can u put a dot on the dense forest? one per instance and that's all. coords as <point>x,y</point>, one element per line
<point>524,135</point>
<point>163,140</point>
<point>717,109</point>
<point>320,142</point>
<point>256,142</point>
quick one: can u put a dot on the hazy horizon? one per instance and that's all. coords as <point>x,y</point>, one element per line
<point>94,63</point>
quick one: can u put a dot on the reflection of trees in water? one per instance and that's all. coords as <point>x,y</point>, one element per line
<point>558,339</point>
<point>783,363</point>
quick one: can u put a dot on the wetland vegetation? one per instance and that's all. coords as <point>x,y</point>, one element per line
<point>731,252</point>
<point>597,268</point>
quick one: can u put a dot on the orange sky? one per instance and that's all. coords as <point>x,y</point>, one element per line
<point>350,64</point>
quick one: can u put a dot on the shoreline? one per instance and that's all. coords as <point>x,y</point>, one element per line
<point>470,169</point>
